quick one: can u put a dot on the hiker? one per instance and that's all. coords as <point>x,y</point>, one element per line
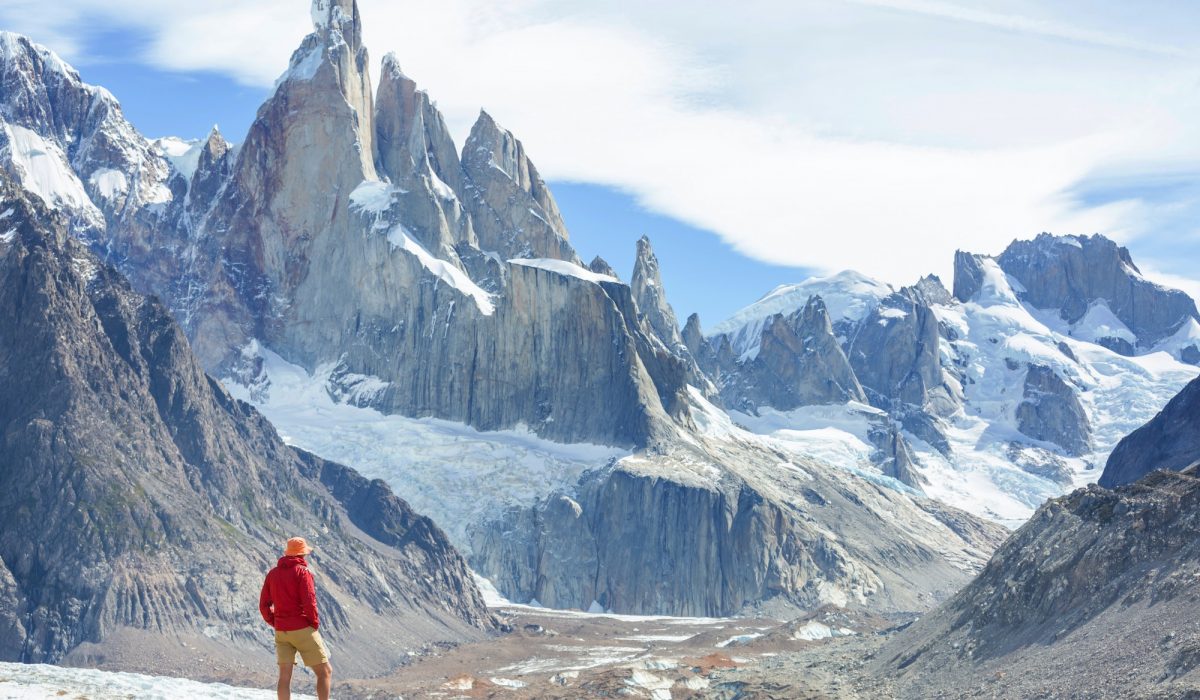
<point>288,603</point>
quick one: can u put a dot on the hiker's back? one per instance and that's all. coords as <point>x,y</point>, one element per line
<point>291,594</point>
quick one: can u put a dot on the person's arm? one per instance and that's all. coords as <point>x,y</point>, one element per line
<point>308,601</point>
<point>265,604</point>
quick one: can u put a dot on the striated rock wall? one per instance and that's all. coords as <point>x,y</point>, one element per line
<point>752,533</point>
<point>1098,585</point>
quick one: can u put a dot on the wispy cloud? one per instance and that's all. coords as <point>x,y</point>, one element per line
<point>1020,24</point>
<point>811,133</point>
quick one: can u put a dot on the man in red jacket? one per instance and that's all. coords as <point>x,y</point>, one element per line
<point>288,603</point>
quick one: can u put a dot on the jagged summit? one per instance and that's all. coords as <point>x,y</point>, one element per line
<point>1095,292</point>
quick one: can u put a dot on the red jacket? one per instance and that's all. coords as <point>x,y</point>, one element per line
<point>289,599</point>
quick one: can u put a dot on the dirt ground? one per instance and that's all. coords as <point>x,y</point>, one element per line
<point>563,654</point>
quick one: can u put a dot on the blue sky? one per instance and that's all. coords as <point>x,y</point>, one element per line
<point>809,135</point>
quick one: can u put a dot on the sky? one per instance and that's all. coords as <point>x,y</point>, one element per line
<point>756,142</point>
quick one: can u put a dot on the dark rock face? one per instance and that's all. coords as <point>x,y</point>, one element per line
<point>137,497</point>
<point>646,284</point>
<point>1098,584</point>
<point>968,276</point>
<point>897,458</point>
<point>800,362</point>
<point>1070,273</point>
<point>1171,440</point>
<point>658,320</point>
<point>601,267</point>
<point>1051,412</point>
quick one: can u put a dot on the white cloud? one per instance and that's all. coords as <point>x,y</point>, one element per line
<point>874,134</point>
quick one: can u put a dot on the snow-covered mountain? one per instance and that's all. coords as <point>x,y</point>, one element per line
<point>1010,392</point>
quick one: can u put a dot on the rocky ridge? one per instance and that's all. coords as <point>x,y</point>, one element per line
<point>141,502</point>
<point>1093,597</point>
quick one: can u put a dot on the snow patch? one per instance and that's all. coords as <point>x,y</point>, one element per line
<point>373,196</point>
<point>440,187</point>
<point>46,681</point>
<point>110,182</point>
<point>659,687</point>
<point>457,475</point>
<point>183,155</point>
<point>443,270</point>
<point>812,631</point>
<point>562,267</point>
<point>848,296</point>
<point>42,168</point>
<point>739,639</point>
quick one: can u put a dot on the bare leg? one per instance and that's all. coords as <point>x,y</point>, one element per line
<point>284,687</point>
<point>324,673</point>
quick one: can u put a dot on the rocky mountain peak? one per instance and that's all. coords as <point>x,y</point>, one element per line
<point>337,18</point>
<point>651,297</point>
<point>1089,276</point>
<point>333,56</point>
<point>140,501</point>
<point>215,146</point>
<point>693,334</point>
<point>513,210</point>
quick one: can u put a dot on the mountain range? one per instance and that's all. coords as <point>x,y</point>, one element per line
<point>418,312</point>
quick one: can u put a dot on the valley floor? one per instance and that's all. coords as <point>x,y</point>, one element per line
<point>557,654</point>
<point>553,654</point>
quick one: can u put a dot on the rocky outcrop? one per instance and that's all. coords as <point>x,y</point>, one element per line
<point>894,354</point>
<point>418,155</point>
<point>140,500</point>
<point>1072,273</point>
<point>1051,412</point>
<point>896,458</point>
<point>1171,440</point>
<point>734,530</point>
<point>601,267</point>
<point>1098,587</point>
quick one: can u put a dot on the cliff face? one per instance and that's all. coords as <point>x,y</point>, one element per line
<point>140,501</point>
<point>1099,587</point>
<point>1171,440</point>
<point>739,523</point>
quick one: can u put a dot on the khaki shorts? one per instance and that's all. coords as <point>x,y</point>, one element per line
<point>306,641</point>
